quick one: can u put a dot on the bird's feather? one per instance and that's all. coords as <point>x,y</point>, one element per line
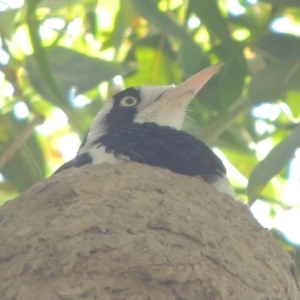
<point>78,161</point>
<point>164,147</point>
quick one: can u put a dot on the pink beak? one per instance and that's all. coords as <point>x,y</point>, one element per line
<point>186,91</point>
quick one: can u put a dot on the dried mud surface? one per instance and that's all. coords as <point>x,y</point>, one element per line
<point>136,232</point>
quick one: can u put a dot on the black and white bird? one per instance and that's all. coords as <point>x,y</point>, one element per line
<point>143,124</point>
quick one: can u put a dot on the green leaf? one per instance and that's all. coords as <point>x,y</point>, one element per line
<point>209,13</point>
<point>7,19</point>
<point>121,24</point>
<point>242,160</point>
<point>283,3</point>
<point>278,46</point>
<point>272,164</point>
<point>234,138</point>
<point>156,66</point>
<point>63,4</point>
<point>149,11</point>
<point>232,82</point>
<point>190,59</point>
<point>71,70</point>
<point>39,53</point>
<point>271,83</point>
<point>92,20</point>
<point>293,101</point>
<point>28,164</point>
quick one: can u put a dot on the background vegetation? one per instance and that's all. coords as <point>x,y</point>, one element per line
<point>60,61</point>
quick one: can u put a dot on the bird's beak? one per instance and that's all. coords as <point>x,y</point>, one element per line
<point>169,108</point>
<point>185,92</point>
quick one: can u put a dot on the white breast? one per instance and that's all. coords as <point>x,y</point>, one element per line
<point>100,155</point>
<point>221,184</point>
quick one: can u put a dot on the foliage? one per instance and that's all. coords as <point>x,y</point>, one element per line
<point>60,51</point>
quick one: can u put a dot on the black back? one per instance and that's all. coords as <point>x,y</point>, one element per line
<point>78,161</point>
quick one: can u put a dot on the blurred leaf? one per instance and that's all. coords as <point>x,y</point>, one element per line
<point>243,161</point>
<point>122,21</point>
<point>256,18</point>
<point>244,20</point>
<point>209,13</point>
<point>271,83</point>
<point>33,4</point>
<point>28,164</point>
<point>232,82</point>
<point>92,20</point>
<point>7,19</point>
<point>149,11</point>
<point>155,63</point>
<point>39,54</point>
<point>72,70</point>
<point>59,4</point>
<point>283,3</point>
<point>236,138</point>
<point>190,59</point>
<point>279,46</point>
<point>271,165</point>
<point>293,100</point>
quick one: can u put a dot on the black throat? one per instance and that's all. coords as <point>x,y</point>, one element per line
<point>164,147</point>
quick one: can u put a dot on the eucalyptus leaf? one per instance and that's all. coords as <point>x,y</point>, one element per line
<point>39,54</point>
<point>153,68</point>
<point>279,46</point>
<point>61,4</point>
<point>190,60</point>
<point>272,164</point>
<point>293,100</point>
<point>210,14</point>
<point>271,83</point>
<point>92,20</point>
<point>28,164</point>
<point>122,22</point>
<point>72,70</point>
<point>283,3</point>
<point>7,22</point>
<point>149,11</point>
<point>232,82</point>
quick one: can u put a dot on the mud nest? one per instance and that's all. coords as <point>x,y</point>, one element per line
<point>136,232</point>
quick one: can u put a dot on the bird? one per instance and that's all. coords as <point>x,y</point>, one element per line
<point>144,125</point>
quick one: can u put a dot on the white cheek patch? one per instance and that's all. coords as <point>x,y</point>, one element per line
<point>160,110</point>
<point>161,113</point>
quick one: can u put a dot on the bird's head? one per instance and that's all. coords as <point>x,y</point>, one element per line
<point>163,105</point>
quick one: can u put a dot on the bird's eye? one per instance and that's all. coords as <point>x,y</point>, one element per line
<point>128,101</point>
